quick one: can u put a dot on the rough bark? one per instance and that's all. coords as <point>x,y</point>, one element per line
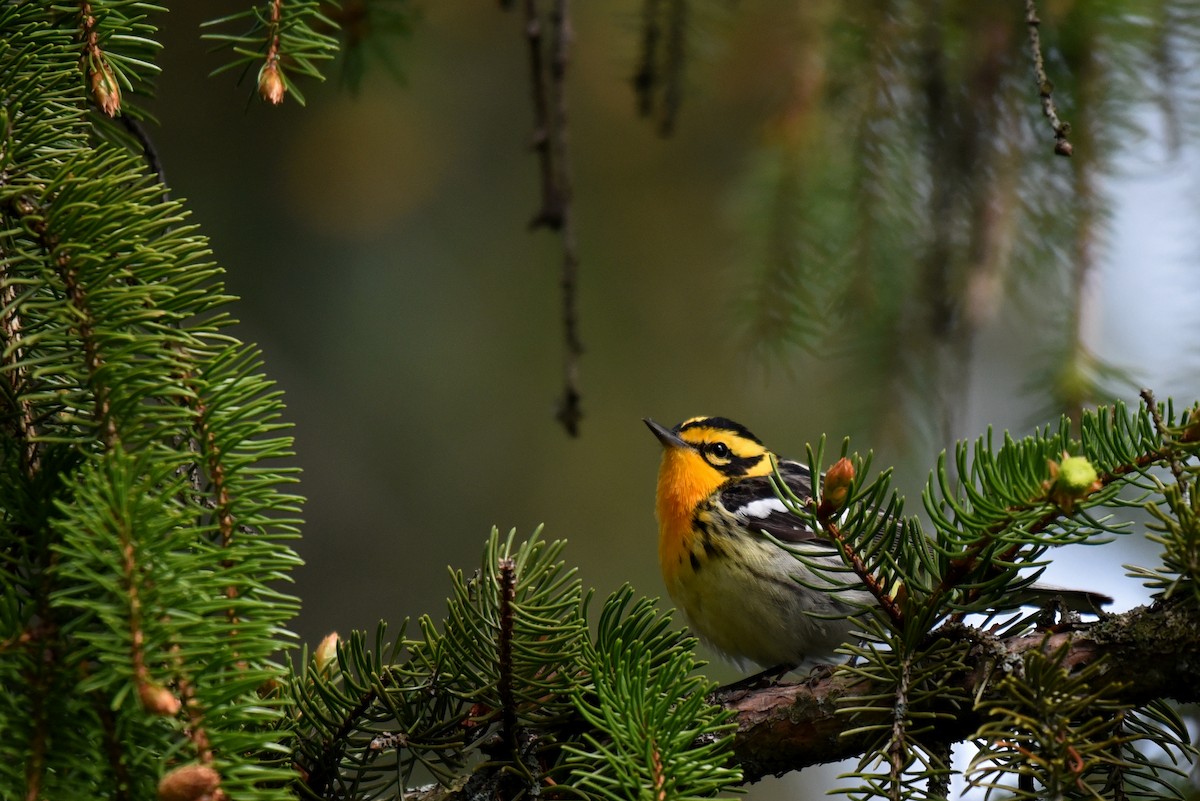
<point>1152,652</point>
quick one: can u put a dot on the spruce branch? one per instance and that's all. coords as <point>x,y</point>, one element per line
<point>507,592</point>
<point>270,82</point>
<point>1063,732</point>
<point>1149,653</point>
<point>21,424</point>
<point>1129,660</point>
<point>285,38</point>
<point>122,660</point>
<point>118,45</point>
<point>368,28</point>
<point>652,734</point>
<point>106,92</point>
<point>899,748</point>
<point>991,531</point>
<point>886,602</point>
<point>826,512</point>
<point>1128,445</point>
<point>1152,406</point>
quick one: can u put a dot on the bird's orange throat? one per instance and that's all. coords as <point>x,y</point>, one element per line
<point>680,487</point>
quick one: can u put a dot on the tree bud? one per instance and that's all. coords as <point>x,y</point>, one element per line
<point>1191,431</point>
<point>270,83</point>
<point>838,480</point>
<point>1071,480</point>
<point>191,783</point>
<point>105,89</point>
<point>325,656</point>
<point>1075,473</point>
<point>157,699</point>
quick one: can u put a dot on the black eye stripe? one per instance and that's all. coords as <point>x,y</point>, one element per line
<point>729,464</point>
<point>740,465</point>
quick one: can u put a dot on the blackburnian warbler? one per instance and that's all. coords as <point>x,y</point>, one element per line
<point>746,596</point>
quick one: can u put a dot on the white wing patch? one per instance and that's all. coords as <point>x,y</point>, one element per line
<point>762,508</point>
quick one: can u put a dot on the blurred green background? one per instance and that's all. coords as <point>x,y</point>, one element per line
<point>379,243</point>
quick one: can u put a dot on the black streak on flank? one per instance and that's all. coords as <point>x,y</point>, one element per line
<point>706,536</point>
<point>709,542</point>
<point>695,561</point>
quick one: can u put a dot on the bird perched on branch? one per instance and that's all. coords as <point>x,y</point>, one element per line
<point>746,596</point>
<point>739,589</point>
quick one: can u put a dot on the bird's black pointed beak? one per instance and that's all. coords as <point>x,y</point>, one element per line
<point>666,436</point>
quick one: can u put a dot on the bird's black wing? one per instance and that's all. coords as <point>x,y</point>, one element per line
<point>754,502</point>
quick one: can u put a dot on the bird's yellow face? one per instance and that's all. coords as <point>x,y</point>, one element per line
<point>699,456</point>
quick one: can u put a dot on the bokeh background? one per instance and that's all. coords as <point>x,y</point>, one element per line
<point>379,242</point>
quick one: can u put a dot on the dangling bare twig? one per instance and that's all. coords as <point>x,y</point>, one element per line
<point>1061,128</point>
<point>658,80</point>
<point>548,81</point>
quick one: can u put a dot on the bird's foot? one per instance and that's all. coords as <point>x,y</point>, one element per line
<point>761,679</point>
<point>818,674</point>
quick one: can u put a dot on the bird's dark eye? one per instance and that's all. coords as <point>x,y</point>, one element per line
<point>719,450</point>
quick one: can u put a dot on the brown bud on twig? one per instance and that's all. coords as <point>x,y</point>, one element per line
<point>105,89</point>
<point>836,486</point>
<point>1191,431</point>
<point>191,783</point>
<point>270,83</point>
<point>157,699</point>
<point>325,657</point>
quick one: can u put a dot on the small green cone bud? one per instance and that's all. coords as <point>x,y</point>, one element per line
<point>191,783</point>
<point>1071,480</point>
<point>1076,474</point>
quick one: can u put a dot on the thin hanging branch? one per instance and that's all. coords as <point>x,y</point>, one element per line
<point>1061,128</point>
<point>675,57</point>
<point>645,79</point>
<point>658,80</point>
<point>548,82</point>
<point>570,412</point>
<point>550,213</point>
